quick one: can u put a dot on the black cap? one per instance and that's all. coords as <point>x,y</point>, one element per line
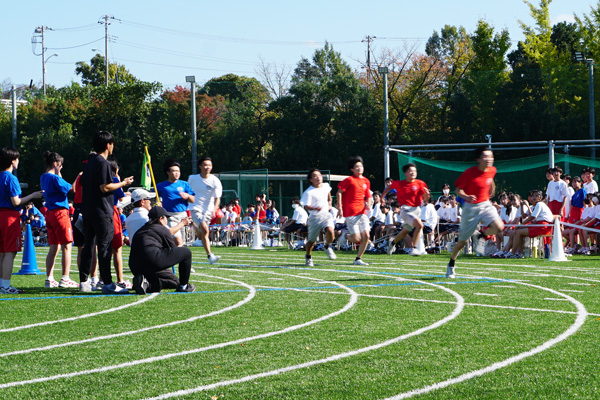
<point>156,212</point>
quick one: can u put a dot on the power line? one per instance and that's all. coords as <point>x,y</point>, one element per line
<point>183,66</point>
<point>74,47</point>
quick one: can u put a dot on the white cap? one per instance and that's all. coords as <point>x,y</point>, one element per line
<point>141,194</point>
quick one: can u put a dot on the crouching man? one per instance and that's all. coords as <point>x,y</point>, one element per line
<point>154,253</point>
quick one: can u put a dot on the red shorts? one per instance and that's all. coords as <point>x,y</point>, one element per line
<point>575,214</point>
<point>58,224</point>
<point>555,207</point>
<point>535,231</point>
<point>10,231</point>
<point>118,238</point>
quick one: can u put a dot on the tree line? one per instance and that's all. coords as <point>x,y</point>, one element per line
<point>464,86</point>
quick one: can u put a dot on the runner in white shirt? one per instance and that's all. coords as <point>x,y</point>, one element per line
<point>208,191</point>
<point>317,200</point>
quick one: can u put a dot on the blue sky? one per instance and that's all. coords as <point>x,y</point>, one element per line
<point>166,40</point>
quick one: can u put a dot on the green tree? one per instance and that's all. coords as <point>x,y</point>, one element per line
<point>94,73</point>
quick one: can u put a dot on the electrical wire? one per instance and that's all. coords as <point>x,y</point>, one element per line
<point>79,28</point>
<point>74,47</point>
<point>183,66</point>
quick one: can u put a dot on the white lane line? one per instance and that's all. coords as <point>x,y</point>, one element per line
<point>554,299</point>
<point>349,305</point>
<point>572,291</point>
<point>579,284</point>
<point>457,310</point>
<point>424,290</point>
<point>486,294</point>
<point>249,297</point>
<point>347,276</point>
<point>275,279</point>
<point>505,286</point>
<point>135,303</point>
<point>579,321</point>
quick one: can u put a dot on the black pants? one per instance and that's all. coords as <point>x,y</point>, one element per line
<point>157,267</point>
<point>99,232</point>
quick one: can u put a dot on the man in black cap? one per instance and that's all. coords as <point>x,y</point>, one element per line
<point>153,253</point>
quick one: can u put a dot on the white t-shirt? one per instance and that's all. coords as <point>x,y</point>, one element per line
<point>377,214</point>
<point>429,216</point>
<point>557,191</point>
<point>334,213</point>
<point>588,212</point>
<point>389,218</point>
<point>135,220</point>
<point>591,187</point>
<point>300,215</point>
<point>317,197</point>
<point>443,212</point>
<point>452,213</point>
<point>542,212</point>
<point>506,218</point>
<point>207,190</point>
<point>230,217</point>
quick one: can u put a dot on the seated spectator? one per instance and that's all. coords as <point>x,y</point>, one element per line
<point>297,224</point>
<point>429,217</point>
<point>139,216</point>
<point>153,254</point>
<point>272,215</point>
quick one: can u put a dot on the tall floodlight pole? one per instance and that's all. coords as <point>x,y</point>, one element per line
<point>192,80</point>
<point>14,117</point>
<point>580,57</point>
<point>386,126</point>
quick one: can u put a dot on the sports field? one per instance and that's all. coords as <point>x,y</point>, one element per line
<point>263,326</point>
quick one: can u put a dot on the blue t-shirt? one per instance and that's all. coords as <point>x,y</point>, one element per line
<point>119,193</point>
<point>578,197</point>
<point>9,187</point>
<point>123,218</point>
<point>55,191</point>
<point>169,194</point>
<point>32,212</point>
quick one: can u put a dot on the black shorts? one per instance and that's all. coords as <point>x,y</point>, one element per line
<point>294,227</point>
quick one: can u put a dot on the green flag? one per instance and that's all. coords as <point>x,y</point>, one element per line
<point>146,180</point>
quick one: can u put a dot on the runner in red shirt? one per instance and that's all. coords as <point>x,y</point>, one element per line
<point>411,192</point>
<point>476,186</point>
<point>354,199</point>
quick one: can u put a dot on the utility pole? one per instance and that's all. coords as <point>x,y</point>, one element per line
<point>104,20</point>
<point>368,39</point>
<point>386,130</point>
<point>192,80</point>
<point>40,31</point>
<point>14,117</point>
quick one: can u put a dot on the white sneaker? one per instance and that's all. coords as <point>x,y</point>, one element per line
<point>213,259</point>
<point>308,262</point>
<point>113,288</point>
<point>10,290</point>
<point>85,286</point>
<point>68,283</point>
<point>359,262</point>
<point>450,272</point>
<point>330,253</point>
<point>50,283</point>
<point>391,247</point>
<point>414,252</point>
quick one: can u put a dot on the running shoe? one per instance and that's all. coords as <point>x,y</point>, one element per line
<point>125,284</point>
<point>113,288</point>
<point>50,283</point>
<point>414,252</point>
<point>10,290</point>
<point>359,262</point>
<point>190,287</point>
<point>330,253</point>
<point>450,272</point>
<point>213,259</point>
<point>391,247</point>
<point>308,262</point>
<point>86,286</point>
<point>68,283</point>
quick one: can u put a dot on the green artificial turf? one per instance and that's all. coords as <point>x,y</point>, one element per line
<point>343,331</point>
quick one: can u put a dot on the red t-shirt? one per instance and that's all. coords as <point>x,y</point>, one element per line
<point>476,182</point>
<point>78,190</point>
<point>216,219</point>
<point>355,191</point>
<point>409,193</point>
<point>238,209</point>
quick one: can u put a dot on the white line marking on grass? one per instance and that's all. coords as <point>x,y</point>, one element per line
<point>579,321</point>
<point>460,301</point>
<point>572,291</point>
<point>486,294</point>
<point>579,284</point>
<point>135,303</point>
<point>275,279</point>
<point>424,290</point>
<point>554,299</point>
<point>349,305</point>
<point>249,297</point>
<point>505,286</point>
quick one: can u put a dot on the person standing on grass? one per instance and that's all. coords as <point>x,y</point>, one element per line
<point>118,236</point>
<point>97,206</point>
<point>475,186</point>
<point>411,193</point>
<point>58,220</point>
<point>10,219</point>
<point>208,191</point>
<point>354,199</point>
<point>175,196</point>
<point>317,201</point>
